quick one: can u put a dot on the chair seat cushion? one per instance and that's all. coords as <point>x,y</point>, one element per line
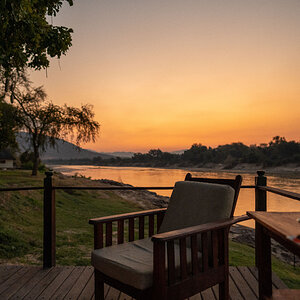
<point>131,263</point>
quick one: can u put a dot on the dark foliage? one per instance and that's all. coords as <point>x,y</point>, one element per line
<point>27,37</point>
<point>8,126</point>
<point>278,152</point>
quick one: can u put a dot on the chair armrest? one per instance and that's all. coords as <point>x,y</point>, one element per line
<point>185,232</point>
<point>107,222</point>
<point>213,259</point>
<point>126,216</point>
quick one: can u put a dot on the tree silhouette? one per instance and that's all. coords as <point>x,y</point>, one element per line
<point>45,122</point>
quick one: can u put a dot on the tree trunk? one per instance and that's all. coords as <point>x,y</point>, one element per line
<point>36,161</point>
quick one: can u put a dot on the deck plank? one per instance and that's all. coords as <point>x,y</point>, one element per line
<point>233,290</point>
<point>88,291</point>
<point>113,294</point>
<point>56,283</point>
<point>208,294</point>
<point>31,282</point>
<point>66,286</point>
<point>277,283</point>
<point>242,284</point>
<point>124,297</point>
<point>12,280</point>
<point>7,271</point>
<point>80,283</point>
<point>42,285</point>
<point>215,290</point>
<point>250,279</point>
<point>19,283</point>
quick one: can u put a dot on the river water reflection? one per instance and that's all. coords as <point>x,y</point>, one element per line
<point>167,177</point>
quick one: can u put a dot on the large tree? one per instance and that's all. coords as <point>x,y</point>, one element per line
<point>28,39</point>
<point>26,35</point>
<point>8,126</point>
<point>45,122</point>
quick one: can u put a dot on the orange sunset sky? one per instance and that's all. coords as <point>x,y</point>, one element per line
<point>166,74</point>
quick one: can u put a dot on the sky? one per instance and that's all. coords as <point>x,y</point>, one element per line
<point>169,73</point>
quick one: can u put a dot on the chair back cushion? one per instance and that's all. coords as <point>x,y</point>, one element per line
<point>195,203</point>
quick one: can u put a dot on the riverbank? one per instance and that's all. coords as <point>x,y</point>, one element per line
<point>252,168</point>
<point>288,169</point>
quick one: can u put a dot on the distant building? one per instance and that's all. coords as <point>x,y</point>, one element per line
<point>6,160</point>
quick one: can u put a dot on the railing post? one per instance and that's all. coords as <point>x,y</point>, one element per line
<point>260,196</point>
<point>49,240</point>
<point>260,204</point>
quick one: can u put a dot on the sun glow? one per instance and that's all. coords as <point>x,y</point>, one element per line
<point>173,73</point>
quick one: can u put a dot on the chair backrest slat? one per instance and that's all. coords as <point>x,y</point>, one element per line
<point>131,229</point>
<point>204,251</point>
<point>151,225</point>
<point>98,236</point>
<point>141,227</point>
<point>183,261</point>
<point>171,263</point>
<point>108,235</point>
<point>215,248</point>
<point>120,231</point>
<point>194,254</point>
<point>160,217</point>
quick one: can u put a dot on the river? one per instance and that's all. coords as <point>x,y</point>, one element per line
<point>167,177</point>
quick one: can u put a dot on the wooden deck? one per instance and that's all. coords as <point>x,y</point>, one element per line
<point>28,282</point>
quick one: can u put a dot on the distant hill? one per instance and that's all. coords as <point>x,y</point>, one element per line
<point>121,154</point>
<point>63,150</point>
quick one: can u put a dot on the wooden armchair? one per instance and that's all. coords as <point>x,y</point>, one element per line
<point>187,255</point>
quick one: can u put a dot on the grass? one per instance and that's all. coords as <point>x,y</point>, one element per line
<point>242,255</point>
<point>21,226</point>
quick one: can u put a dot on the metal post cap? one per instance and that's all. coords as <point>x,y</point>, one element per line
<point>49,173</point>
<point>260,173</point>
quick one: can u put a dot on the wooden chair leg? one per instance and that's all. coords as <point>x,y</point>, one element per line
<point>224,247</point>
<point>224,290</point>
<point>99,286</point>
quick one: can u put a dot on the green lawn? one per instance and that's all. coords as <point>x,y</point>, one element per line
<point>21,224</point>
<point>21,227</point>
<point>242,255</point>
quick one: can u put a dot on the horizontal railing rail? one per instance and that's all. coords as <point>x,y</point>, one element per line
<point>28,188</point>
<point>106,188</point>
<point>280,192</point>
<point>112,188</point>
<point>127,187</point>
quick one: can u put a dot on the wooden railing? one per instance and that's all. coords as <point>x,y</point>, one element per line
<point>49,220</point>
